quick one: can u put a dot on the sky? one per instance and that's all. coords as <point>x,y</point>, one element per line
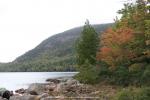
<point>26,23</point>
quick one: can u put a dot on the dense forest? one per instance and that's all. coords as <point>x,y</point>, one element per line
<point>121,57</point>
<point>56,53</point>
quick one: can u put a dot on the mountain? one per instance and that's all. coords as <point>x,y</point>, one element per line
<point>56,53</point>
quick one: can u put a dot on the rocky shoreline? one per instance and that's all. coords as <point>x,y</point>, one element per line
<point>57,89</point>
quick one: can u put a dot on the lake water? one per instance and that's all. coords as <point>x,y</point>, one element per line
<point>16,80</point>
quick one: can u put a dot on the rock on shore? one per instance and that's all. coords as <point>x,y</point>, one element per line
<point>57,89</point>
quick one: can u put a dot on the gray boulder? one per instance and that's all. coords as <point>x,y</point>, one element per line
<point>37,87</point>
<point>56,81</point>
<point>20,91</point>
<point>2,98</point>
<point>24,97</point>
<point>44,95</point>
<point>72,82</point>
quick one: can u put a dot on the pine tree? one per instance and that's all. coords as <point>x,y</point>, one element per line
<point>87,45</point>
<point>86,55</point>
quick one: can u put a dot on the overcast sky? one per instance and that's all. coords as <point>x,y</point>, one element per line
<point>25,23</point>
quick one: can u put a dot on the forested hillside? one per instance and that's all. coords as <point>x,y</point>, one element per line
<point>54,54</point>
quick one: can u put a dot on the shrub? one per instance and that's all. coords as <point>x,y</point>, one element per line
<point>124,95</point>
<point>104,72</point>
<point>121,76</point>
<point>146,76</point>
<point>136,67</point>
<point>143,94</point>
<point>136,70</point>
<point>88,74</point>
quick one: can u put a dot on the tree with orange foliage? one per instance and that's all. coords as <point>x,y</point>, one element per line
<point>137,16</point>
<point>129,40</point>
<point>114,50</point>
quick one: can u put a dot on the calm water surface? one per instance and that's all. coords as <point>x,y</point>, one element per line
<point>16,80</point>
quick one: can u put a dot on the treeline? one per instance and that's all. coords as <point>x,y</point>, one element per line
<point>121,55</point>
<point>40,66</point>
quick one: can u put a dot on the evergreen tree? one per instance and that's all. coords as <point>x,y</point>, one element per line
<point>87,45</point>
<point>86,55</point>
